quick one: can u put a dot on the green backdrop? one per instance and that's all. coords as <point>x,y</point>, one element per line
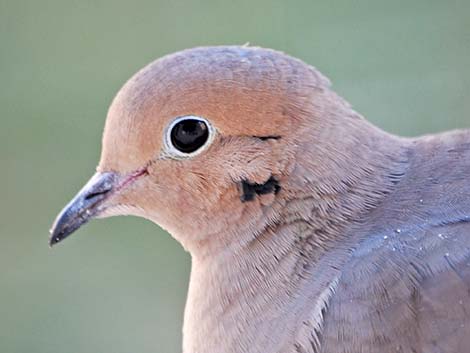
<point>119,285</point>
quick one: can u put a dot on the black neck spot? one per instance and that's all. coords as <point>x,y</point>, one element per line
<point>250,190</point>
<point>269,137</point>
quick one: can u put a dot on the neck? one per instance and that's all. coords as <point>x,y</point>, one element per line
<point>235,298</point>
<point>241,299</point>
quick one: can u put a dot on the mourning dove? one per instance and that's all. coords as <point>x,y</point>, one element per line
<point>309,229</point>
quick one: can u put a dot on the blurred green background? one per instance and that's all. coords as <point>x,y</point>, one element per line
<point>119,285</point>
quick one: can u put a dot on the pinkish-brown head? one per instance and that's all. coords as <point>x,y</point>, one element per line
<point>202,142</point>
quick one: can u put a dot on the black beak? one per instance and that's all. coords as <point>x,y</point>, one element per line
<point>87,204</point>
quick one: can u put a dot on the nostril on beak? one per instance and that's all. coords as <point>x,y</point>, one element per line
<point>97,193</point>
<point>99,188</point>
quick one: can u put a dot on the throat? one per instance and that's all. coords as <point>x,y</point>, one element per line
<point>258,298</point>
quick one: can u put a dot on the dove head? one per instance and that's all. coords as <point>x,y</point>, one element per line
<point>203,142</point>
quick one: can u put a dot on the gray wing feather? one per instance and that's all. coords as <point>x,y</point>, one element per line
<point>405,293</point>
<point>406,287</point>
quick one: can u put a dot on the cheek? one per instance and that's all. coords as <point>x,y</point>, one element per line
<point>193,202</point>
<point>188,184</point>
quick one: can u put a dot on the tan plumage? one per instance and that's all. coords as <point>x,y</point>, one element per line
<point>310,230</point>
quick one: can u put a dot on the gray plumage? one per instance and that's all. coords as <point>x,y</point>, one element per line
<point>310,230</point>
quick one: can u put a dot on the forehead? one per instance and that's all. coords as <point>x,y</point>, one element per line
<point>241,90</point>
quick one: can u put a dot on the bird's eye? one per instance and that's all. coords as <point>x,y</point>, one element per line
<point>188,134</point>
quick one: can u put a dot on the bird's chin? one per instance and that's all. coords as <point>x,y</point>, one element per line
<point>122,210</point>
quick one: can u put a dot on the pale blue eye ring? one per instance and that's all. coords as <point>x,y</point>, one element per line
<point>187,136</point>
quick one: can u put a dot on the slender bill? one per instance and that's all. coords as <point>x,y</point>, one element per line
<point>87,204</point>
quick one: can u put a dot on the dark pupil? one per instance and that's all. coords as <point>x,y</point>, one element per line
<point>188,135</point>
